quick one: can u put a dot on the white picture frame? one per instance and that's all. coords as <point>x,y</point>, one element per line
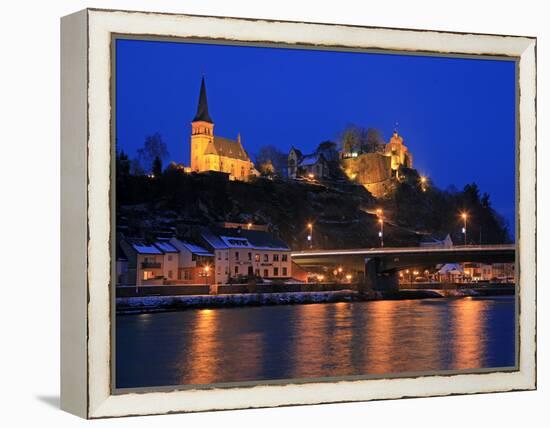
<point>86,215</point>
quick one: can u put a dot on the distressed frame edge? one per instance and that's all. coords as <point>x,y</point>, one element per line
<point>74,234</point>
<point>103,404</point>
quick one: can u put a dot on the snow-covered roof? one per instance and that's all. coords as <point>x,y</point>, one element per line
<point>223,238</point>
<point>166,247</point>
<point>235,242</point>
<point>309,160</point>
<point>451,268</point>
<point>143,248</point>
<point>197,249</point>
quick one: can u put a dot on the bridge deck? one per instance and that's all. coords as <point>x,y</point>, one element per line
<point>390,251</point>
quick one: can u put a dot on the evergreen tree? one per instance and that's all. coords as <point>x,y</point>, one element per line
<point>157,167</point>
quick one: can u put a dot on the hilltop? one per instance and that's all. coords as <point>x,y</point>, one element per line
<point>342,212</point>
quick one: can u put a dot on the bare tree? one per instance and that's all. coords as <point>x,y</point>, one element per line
<point>271,155</point>
<point>153,147</point>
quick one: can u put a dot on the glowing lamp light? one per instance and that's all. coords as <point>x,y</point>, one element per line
<point>340,270</point>
<point>348,277</point>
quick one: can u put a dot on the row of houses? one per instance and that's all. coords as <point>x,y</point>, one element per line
<point>215,256</point>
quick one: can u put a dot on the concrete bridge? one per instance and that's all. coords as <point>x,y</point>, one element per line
<point>378,266</point>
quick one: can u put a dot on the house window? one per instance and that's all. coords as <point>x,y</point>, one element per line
<point>187,275</point>
<point>232,170</point>
<point>275,257</point>
<point>257,272</point>
<point>170,274</point>
<point>219,255</point>
<point>179,274</point>
<point>285,271</point>
<point>237,255</point>
<point>193,257</point>
<point>242,171</point>
<point>257,257</point>
<point>266,272</point>
<point>266,257</point>
<point>275,271</point>
<point>249,256</point>
<point>285,257</point>
<point>226,255</point>
<point>169,257</point>
<point>147,274</point>
<point>236,270</point>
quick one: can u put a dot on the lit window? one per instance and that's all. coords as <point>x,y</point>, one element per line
<point>257,257</point>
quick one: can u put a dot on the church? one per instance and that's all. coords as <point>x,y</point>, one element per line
<point>210,152</point>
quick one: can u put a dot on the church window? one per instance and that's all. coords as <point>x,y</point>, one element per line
<point>242,171</point>
<point>232,169</point>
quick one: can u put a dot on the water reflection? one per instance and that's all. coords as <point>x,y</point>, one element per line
<point>318,340</point>
<point>468,319</point>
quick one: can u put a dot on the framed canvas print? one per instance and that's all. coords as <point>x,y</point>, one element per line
<point>263,213</point>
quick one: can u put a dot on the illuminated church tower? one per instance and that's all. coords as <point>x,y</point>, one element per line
<point>215,153</point>
<point>202,132</point>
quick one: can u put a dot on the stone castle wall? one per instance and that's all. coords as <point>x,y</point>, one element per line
<point>373,170</point>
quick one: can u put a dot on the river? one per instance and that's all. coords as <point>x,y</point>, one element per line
<point>204,346</point>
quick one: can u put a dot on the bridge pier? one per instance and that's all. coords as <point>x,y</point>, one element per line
<point>378,281</point>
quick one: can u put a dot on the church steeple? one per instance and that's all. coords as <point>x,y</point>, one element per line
<point>202,109</point>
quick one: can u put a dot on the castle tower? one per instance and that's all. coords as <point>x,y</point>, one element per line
<point>400,155</point>
<point>202,132</point>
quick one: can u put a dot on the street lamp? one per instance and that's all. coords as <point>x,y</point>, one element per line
<point>464,216</point>
<point>381,231</point>
<point>423,183</point>
<point>310,235</point>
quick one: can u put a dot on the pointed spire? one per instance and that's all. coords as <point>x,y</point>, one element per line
<point>202,108</point>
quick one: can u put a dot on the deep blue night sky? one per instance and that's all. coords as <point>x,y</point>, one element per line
<point>457,116</point>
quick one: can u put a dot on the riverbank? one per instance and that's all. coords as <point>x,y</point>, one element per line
<point>149,304</point>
